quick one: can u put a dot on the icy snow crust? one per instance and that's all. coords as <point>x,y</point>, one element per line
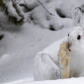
<point>21,44</point>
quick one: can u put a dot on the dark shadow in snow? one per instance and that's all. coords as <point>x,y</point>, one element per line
<point>31,17</point>
<point>52,28</point>
<point>7,26</point>
<point>25,8</point>
<point>11,27</point>
<point>29,7</point>
<point>1,36</point>
<point>82,8</point>
<point>59,12</point>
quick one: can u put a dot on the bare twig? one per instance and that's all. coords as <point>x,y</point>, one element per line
<point>28,20</point>
<point>18,1</point>
<point>45,8</point>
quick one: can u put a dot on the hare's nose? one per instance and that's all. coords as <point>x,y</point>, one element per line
<point>69,45</point>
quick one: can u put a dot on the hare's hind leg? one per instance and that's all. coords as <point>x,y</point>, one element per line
<point>45,68</point>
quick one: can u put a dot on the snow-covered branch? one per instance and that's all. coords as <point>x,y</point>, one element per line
<point>12,11</point>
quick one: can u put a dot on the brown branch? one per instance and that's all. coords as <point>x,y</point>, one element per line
<point>45,8</point>
<point>28,20</point>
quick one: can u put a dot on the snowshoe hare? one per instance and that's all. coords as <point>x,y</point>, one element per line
<point>65,60</point>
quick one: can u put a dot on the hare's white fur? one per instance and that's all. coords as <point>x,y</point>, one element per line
<point>46,62</point>
<point>77,52</point>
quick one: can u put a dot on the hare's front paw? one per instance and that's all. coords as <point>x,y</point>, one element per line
<point>64,55</point>
<point>64,60</point>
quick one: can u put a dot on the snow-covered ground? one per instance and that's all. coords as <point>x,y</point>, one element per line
<point>18,50</point>
<point>63,81</point>
<point>21,44</point>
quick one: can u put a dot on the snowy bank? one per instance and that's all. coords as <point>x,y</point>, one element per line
<point>60,81</point>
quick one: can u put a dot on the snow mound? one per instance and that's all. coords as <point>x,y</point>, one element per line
<point>62,11</point>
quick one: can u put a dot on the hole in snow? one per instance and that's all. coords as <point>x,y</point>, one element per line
<point>31,17</point>
<point>82,8</point>
<point>52,28</point>
<point>59,12</point>
<point>25,8</point>
<point>1,37</point>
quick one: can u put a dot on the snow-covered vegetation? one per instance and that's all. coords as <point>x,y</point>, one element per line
<point>20,44</point>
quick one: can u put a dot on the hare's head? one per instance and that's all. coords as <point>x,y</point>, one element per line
<point>76,36</point>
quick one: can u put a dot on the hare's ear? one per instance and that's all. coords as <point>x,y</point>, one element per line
<point>77,16</point>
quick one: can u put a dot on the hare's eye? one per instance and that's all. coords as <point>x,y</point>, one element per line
<point>79,37</point>
<point>68,34</point>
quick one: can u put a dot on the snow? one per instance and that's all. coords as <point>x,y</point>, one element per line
<point>21,48</point>
<point>21,44</point>
<point>45,20</point>
<point>59,81</point>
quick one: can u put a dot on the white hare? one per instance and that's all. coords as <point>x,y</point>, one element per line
<point>47,66</point>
